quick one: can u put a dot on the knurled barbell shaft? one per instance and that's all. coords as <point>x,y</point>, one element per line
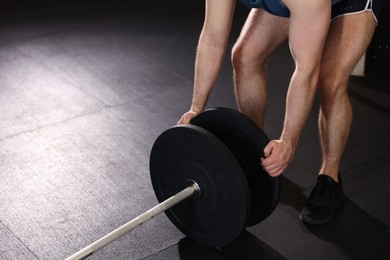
<point>132,224</point>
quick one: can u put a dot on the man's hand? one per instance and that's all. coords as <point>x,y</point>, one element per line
<point>278,154</point>
<point>186,118</point>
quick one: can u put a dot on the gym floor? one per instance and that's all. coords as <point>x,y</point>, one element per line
<point>85,91</point>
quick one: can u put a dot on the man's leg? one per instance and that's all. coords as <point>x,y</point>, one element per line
<point>348,39</point>
<point>260,36</point>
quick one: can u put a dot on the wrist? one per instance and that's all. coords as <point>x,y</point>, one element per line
<point>290,139</point>
<point>196,108</point>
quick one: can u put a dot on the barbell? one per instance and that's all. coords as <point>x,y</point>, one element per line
<point>208,180</point>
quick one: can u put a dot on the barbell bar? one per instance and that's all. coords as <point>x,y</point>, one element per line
<point>190,191</point>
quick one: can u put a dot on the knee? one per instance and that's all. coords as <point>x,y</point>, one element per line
<point>246,59</point>
<point>333,88</point>
<point>240,57</point>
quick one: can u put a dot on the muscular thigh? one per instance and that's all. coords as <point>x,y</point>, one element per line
<point>347,40</point>
<point>262,34</point>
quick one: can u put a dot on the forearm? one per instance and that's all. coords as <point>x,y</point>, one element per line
<point>300,97</point>
<point>209,58</point>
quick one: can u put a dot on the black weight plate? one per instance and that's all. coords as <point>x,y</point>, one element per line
<point>187,152</point>
<point>247,142</point>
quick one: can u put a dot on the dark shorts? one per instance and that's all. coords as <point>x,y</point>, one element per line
<point>347,7</point>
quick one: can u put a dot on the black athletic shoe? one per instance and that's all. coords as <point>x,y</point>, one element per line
<point>323,202</point>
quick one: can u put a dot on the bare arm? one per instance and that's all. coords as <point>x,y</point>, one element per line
<point>210,53</point>
<point>309,25</point>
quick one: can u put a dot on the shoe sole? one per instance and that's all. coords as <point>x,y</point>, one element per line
<point>321,222</point>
